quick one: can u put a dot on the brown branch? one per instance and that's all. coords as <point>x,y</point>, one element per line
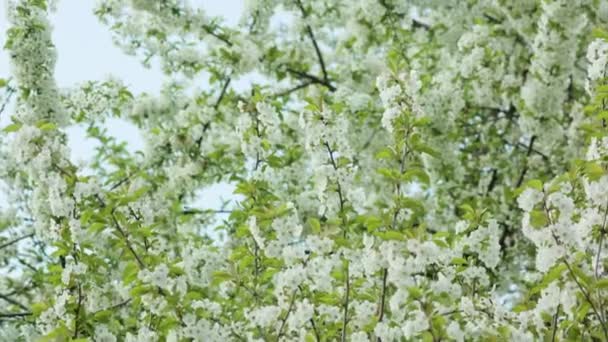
<point>311,35</point>
<point>220,37</point>
<point>313,78</point>
<point>10,91</point>
<point>601,241</point>
<point>15,315</point>
<point>314,329</point>
<point>222,94</point>
<point>346,303</point>
<point>585,293</point>
<point>291,90</point>
<point>555,324</point>
<point>492,181</point>
<point>77,313</point>
<point>12,242</point>
<point>383,296</point>
<point>13,301</point>
<point>113,307</point>
<point>284,320</point>
<point>124,235</point>
<point>520,180</point>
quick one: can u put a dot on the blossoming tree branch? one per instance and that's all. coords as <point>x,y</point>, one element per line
<point>403,171</point>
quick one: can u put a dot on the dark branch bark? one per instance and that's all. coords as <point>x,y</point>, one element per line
<point>291,90</point>
<point>312,78</point>
<point>222,94</point>
<point>9,93</point>
<point>12,242</point>
<point>15,315</point>
<point>13,301</point>
<point>522,175</point>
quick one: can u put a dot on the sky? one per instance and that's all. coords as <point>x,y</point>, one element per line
<point>85,52</point>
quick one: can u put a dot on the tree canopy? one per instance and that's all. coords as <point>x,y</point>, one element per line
<point>403,170</point>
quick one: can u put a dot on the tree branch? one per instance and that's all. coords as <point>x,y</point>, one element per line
<point>127,242</point>
<point>291,90</point>
<point>222,94</point>
<point>346,304</point>
<point>311,35</point>
<point>13,301</point>
<point>520,180</point>
<point>313,78</point>
<point>12,242</point>
<point>284,320</point>
<point>9,93</point>
<point>15,315</point>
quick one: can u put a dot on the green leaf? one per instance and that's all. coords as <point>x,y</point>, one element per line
<point>327,298</point>
<point>416,174</point>
<point>459,261</point>
<point>97,227</point>
<point>46,126</point>
<point>535,184</point>
<point>310,338</point>
<point>102,316</point>
<point>390,235</point>
<point>384,153</point>
<point>315,225</point>
<point>129,274</point>
<point>554,273</point>
<point>599,33</point>
<point>581,276</point>
<point>388,173</point>
<point>420,147</point>
<point>601,284</point>
<point>139,290</point>
<point>538,219</point>
<point>593,171</point>
<point>12,127</point>
<point>38,308</point>
<point>3,83</point>
<point>221,276</point>
<point>40,4</point>
<point>415,292</point>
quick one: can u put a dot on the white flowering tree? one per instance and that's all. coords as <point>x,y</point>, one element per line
<point>403,171</point>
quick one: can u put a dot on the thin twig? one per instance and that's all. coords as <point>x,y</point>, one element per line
<point>9,93</point>
<point>311,35</point>
<point>291,90</point>
<point>124,235</point>
<point>12,242</point>
<point>222,93</point>
<point>555,324</point>
<point>15,315</point>
<point>573,275</point>
<point>346,304</point>
<point>217,35</point>
<point>520,180</point>
<point>77,313</point>
<point>314,329</point>
<point>599,246</point>
<point>284,320</point>
<point>116,306</point>
<point>313,78</point>
<point>13,301</point>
